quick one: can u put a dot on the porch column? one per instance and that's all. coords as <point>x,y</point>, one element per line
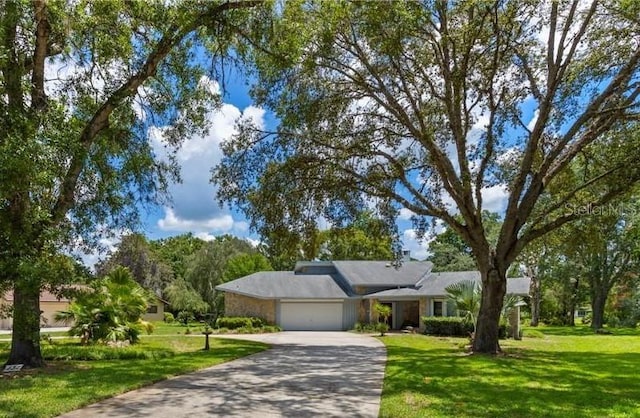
<point>422,311</point>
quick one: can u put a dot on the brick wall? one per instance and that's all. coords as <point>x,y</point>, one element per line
<point>239,305</point>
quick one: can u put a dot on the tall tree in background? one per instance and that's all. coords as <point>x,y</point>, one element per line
<point>423,105</point>
<point>134,252</point>
<point>367,238</point>
<point>176,251</point>
<point>209,267</point>
<point>606,248</point>
<point>81,83</point>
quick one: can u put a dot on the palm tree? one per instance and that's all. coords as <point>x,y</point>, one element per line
<point>111,309</point>
<point>466,296</point>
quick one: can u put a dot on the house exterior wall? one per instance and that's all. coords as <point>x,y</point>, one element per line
<point>350,314</point>
<point>240,305</point>
<point>158,315</point>
<point>47,317</point>
<point>49,310</point>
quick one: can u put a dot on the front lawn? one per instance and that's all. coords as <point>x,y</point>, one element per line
<point>67,384</point>
<point>554,376</point>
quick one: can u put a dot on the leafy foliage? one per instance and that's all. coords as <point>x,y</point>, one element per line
<point>82,84</point>
<point>135,253</point>
<point>453,327</point>
<point>383,312</point>
<point>466,297</point>
<point>110,310</point>
<point>212,265</point>
<point>234,322</point>
<point>426,106</point>
<point>176,251</point>
<point>449,252</point>
<point>183,298</point>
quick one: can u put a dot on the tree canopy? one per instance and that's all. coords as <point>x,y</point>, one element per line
<point>429,106</point>
<point>448,252</point>
<point>135,253</point>
<point>82,83</point>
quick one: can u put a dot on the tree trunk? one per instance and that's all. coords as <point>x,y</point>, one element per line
<point>494,287</point>
<point>571,319</point>
<point>535,291</point>
<point>25,341</point>
<point>598,300</point>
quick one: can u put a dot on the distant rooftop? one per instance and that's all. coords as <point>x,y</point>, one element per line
<point>383,273</point>
<point>285,285</point>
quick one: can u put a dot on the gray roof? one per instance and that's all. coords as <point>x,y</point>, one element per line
<point>285,285</point>
<point>382,273</point>
<point>401,293</point>
<point>435,284</point>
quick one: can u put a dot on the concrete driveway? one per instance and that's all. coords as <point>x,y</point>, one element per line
<point>304,374</point>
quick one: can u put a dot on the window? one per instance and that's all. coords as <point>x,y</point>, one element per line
<point>437,308</point>
<point>152,309</point>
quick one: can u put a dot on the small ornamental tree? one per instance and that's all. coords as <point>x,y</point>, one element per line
<point>383,312</point>
<point>111,309</point>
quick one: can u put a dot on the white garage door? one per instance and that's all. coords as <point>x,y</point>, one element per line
<point>311,316</point>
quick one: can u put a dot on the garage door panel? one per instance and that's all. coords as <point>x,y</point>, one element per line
<point>311,316</point>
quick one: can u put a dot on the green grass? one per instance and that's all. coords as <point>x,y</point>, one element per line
<point>565,376</point>
<point>580,330</point>
<point>65,385</point>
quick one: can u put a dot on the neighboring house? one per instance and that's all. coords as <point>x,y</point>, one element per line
<point>334,295</point>
<point>155,311</point>
<point>51,303</point>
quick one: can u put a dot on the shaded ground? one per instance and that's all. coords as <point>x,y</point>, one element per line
<point>304,374</point>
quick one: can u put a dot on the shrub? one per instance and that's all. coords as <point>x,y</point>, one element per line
<point>453,327</point>
<point>532,333</point>
<point>184,317</point>
<point>271,328</point>
<point>447,326</point>
<point>236,322</point>
<point>382,327</point>
<point>169,318</point>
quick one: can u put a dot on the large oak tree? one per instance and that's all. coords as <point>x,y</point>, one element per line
<point>428,106</point>
<point>81,81</point>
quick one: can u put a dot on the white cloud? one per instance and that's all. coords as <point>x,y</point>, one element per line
<point>534,119</point>
<point>194,208</point>
<point>494,198</point>
<point>419,248</point>
<point>405,214</point>
<point>172,222</point>
<point>254,242</point>
<point>107,244</point>
<point>205,236</point>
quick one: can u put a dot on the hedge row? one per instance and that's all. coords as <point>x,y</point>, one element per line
<point>235,322</point>
<point>453,327</point>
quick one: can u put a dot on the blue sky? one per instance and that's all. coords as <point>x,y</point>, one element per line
<point>195,209</point>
